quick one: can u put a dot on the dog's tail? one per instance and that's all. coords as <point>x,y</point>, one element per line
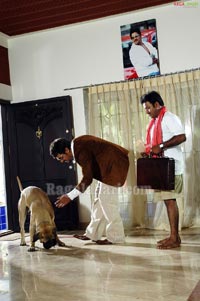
<point>19,184</point>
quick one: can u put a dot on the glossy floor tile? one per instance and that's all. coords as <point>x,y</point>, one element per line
<point>84,271</point>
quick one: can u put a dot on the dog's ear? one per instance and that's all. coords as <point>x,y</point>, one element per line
<point>36,236</point>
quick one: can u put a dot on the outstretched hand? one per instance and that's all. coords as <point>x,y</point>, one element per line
<point>62,201</point>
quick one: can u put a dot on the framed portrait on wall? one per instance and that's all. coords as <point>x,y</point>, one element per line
<point>140,49</point>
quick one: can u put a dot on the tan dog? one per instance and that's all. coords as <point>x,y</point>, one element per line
<point>42,225</point>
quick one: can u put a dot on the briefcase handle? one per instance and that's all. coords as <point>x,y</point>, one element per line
<point>160,155</point>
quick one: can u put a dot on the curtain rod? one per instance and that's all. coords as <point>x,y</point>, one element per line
<point>130,80</point>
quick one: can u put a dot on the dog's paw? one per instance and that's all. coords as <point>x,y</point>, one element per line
<point>31,249</point>
<point>23,244</point>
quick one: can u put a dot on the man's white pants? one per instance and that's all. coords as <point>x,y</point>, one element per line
<point>105,217</point>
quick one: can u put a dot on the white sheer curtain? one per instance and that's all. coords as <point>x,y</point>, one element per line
<point>115,114</point>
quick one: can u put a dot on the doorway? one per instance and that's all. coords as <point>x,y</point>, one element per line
<point>3,211</point>
<point>28,129</point>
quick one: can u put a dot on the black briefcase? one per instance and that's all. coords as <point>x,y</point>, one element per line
<point>156,173</point>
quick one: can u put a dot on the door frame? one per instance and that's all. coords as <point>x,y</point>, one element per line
<point>9,158</point>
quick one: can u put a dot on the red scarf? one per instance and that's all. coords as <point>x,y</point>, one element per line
<point>157,131</point>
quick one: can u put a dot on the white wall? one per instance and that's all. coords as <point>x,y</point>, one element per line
<point>5,90</point>
<point>80,129</point>
<point>43,64</point>
<point>3,40</point>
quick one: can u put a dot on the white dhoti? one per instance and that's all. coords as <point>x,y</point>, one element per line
<point>105,217</point>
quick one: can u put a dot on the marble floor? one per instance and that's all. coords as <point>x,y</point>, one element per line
<point>85,271</point>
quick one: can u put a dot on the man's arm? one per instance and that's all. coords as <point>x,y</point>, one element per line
<point>176,140</point>
<point>86,180</point>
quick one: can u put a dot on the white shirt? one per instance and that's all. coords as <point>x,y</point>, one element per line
<point>142,60</point>
<point>171,126</point>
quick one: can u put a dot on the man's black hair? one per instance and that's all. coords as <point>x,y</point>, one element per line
<point>135,29</point>
<point>58,146</point>
<point>152,97</point>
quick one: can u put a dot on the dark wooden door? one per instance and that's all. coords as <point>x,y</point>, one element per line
<point>31,126</point>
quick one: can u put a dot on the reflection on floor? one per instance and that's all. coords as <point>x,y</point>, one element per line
<point>85,271</point>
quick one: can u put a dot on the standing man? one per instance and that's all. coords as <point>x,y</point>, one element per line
<point>143,56</point>
<point>106,162</point>
<point>165,133</point>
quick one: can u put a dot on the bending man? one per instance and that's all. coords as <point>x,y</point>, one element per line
<point>106,162</point>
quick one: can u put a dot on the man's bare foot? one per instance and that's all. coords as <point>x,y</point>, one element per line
<point>162,241</point>
<point>165,240</point>
<point>82,237</point>
<point>169,244</point>
<point>103,242</point>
